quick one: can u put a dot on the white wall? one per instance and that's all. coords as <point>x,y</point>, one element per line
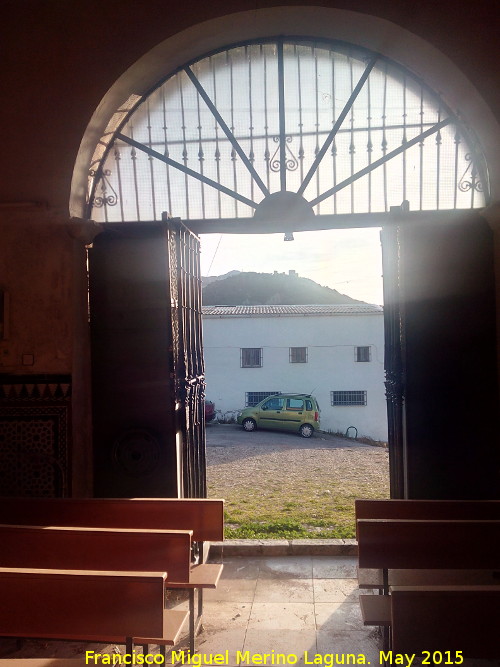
<point>331,365</point>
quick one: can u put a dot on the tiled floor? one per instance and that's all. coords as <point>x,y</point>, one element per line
<point>302,606</point>
<point>298,606</point>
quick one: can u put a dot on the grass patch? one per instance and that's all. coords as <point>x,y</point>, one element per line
<point>284,495</point>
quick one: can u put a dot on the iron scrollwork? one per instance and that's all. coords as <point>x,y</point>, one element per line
<point>291,160</point>
<point>104,199</point>
<point>474,183</point>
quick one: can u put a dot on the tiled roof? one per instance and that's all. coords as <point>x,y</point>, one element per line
<point>288,311</point>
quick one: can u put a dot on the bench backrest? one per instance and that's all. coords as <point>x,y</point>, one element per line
<point>402,544</point>
<point>97,549</point>
<point>446,618</point>
<point>427,509</point>
<point>81,604</point>
<point>203,516</point>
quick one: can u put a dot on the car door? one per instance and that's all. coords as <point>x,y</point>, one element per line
<point>270,413</point>
<point>293,414</point>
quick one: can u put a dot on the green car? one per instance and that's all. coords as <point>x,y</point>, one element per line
<point>283,412</point>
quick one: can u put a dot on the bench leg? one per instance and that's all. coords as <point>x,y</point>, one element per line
<point>199,626</point>
<point>192,621</point>
<point>162,650</point>
<point>129,646</point>
<point>385,591</point>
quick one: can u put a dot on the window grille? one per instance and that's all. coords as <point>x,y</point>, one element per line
<point>251,357</point>
<point>298,355</point>
<point>254,397</point>
<point>343,128</point>
<point>363,353</point>
<point>348,398</point>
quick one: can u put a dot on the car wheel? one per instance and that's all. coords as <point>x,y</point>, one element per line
<point>306,430</point>
<point>249,424</point>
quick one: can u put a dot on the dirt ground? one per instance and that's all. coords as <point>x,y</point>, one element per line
<point>266,476</point>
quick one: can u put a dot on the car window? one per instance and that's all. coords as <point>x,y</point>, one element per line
<point>273,404</point>
<point>309,405</point>
<point>294,404</point>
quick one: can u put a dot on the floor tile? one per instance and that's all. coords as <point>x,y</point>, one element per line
<point>241,568</point>
<point>336,590</point>
<point>284,590</point>
<point>341,630</point>
<point>281,627</point>
<point>298,567</point>
<point>232,590</point>
<point>341,567</point>
<point>224,628</point>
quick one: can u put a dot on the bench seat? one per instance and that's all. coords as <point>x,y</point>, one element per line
<point>87,605</point>
<point>373,578</point>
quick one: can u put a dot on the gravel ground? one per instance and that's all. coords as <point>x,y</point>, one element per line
<point>234,456</point>
<point>264,475</point>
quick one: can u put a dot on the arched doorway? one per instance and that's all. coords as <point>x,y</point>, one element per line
<point>270,131</point>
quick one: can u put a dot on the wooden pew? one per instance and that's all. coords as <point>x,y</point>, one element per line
<point>114,549</point>
<point>86,605</point>
<point>446,620</point>
<point>426,510</point>
<point>416,544</point>
<point>100,549</point>
<point>204,517</point>
<point>422,545</point>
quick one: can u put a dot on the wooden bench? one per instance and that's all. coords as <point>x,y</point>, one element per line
<point>101,549</point>
<point>204,517</point>
<point>422,545</point>
<point>86,605</point>
<point>444,619</point>
<point>426,510</point>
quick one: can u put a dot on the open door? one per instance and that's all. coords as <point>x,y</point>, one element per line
<point>440,358</point>
<point>147,361</point>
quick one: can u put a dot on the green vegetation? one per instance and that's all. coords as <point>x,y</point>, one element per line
<point>277,492</point>
<point>306,511</point>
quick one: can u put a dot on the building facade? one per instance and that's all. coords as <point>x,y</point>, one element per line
<point>335,352</point>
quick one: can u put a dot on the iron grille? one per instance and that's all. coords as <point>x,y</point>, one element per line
<point>298,355</point>
<point>339,398</point>
<point>363,353</point>
<point>345,128</point>
<point>251,357</point>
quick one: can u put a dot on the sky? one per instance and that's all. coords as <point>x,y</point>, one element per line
<point>348,260</point>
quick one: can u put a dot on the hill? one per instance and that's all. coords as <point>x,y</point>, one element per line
<point>249,288</point>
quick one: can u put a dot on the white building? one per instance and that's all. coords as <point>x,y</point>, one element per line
<point>335,352</point>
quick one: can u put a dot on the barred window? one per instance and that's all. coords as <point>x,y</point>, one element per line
<point>251,357</point>
<point>254,397</point>
<point>363,353</point>
<point>348,397</point>
<point>298,355</point>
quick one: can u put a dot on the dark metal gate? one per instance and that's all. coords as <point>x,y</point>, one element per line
<point>188,370</point>
<point>147,361</point>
